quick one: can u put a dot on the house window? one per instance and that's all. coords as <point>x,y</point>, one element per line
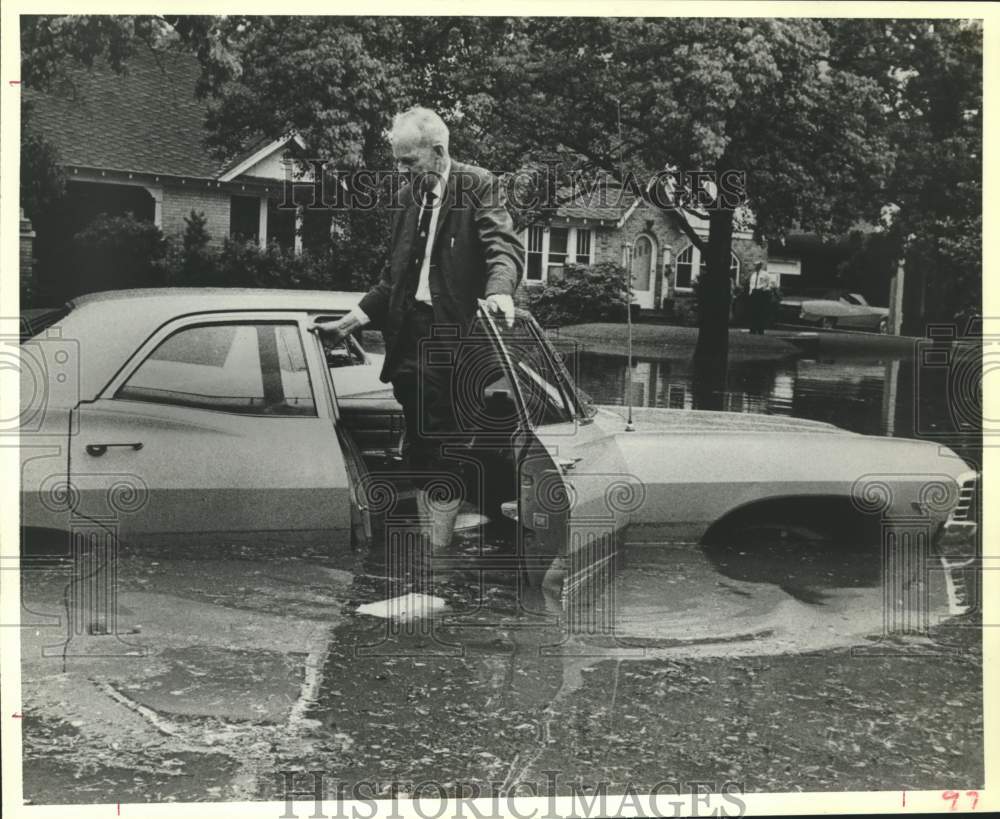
<point>547,251</point>
<point>244,217</point>
<point>690,266</point>
<point>582,246</point>
<point>684,279</point>
<point>536,236</point>
<point>558,249</point>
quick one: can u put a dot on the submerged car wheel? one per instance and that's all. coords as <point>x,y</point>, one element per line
<point>883,326</point>
<point>828,323</point>
<point>804,557</point>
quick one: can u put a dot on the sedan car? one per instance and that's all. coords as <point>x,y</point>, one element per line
<point>208,415</point>
<point>833,309</point>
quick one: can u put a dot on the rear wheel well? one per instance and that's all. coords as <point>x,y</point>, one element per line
<point>835,517</point>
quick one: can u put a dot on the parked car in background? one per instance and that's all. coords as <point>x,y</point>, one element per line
<point>833,309</point>
<point>215,414</point>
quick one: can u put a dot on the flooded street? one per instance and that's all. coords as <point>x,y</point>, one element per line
<point>901,395</point>
<point>228,675</point>
<point>225,676</point>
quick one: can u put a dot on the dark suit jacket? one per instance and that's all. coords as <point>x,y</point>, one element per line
<point>476,253</point>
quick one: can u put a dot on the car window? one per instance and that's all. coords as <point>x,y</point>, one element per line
<point>855,298</point>
<point>568,363</point>
<point>344,353</point>
<point>544,399</point>
<point>250,369</point>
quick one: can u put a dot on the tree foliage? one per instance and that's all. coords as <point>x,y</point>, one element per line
<point>931,74</point>
<point>43,183</point>
<point>758,96</point>
<point>830,120</point>
<point>53,44</point>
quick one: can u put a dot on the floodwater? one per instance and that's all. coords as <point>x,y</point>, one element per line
<point>230,673</point>
<point>933,394</point>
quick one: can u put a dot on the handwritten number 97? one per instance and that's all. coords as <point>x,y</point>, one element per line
<point>954,796</point>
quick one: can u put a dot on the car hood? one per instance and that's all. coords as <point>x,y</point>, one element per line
<point>806,301</point>
<point>661,419</point>
<point>795,300</point>
<point>705,463</point>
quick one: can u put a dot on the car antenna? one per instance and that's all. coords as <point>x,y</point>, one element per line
<point>628,294</point>
<point>628,339</point>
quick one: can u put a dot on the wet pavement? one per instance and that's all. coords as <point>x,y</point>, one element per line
<point>688,662</point>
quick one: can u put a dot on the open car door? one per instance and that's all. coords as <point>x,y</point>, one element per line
<point>574,495</point>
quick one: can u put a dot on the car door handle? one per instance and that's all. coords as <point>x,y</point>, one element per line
<point>566,464</point>
<point>97,450</point>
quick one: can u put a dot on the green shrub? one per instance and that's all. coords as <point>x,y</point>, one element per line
<point>193,263</point>
<point>581,294</point>
<point>360,251</point>
<point>119,252</point>
<point>245,264</point>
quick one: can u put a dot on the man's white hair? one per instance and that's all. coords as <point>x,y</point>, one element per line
<point>427,124</point>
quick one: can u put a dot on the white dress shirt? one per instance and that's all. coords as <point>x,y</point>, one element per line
<point>759,280</point>
<point>423,284</point>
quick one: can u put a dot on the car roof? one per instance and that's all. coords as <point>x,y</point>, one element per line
<point>183,300</point>
<point>110,325</point>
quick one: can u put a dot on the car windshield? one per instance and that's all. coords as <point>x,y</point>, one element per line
<point>538,374</point>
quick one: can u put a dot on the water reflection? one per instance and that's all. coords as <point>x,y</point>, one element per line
<point>899,396</point>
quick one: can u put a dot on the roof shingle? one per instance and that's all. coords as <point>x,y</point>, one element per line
<point>605,201</point>
<point>146,121</point>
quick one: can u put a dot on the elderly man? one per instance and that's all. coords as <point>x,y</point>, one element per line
<point>452,243</point>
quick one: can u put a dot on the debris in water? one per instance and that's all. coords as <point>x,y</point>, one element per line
<point>407,607</point>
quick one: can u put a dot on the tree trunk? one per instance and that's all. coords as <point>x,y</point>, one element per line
<point>711,353</point>
<point>714,293</point>
<point>708,383</point>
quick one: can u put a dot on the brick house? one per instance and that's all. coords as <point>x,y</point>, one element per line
<point>135,143</point>
<point>665,263</point>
